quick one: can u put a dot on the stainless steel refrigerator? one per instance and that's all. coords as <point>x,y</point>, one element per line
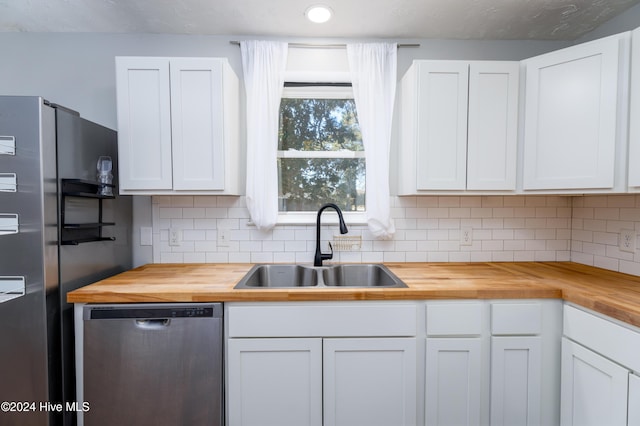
<point>59,230</point>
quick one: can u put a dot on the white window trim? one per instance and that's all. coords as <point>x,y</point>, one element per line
<point>345,153</point>
<point>310,218</point>
<point>335,92</point>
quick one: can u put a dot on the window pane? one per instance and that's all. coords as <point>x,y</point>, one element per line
<point>319,125</point>
<point>305,183</point>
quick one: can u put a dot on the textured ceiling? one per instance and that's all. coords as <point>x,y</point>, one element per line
<point>456,19</point>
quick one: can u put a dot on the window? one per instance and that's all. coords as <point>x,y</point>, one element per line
<point>320,150</point>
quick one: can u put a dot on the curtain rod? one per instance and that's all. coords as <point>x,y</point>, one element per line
<point>331,46</point>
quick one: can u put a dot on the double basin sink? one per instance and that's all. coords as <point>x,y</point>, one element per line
<point>297,276</point>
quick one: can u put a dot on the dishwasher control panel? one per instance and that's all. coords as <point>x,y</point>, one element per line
<point>155,311</point>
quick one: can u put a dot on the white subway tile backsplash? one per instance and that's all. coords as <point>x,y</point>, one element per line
<point>193,213</point>
<point>448,201</point>
<point>596,225</point>
<point>194,257</point>
<point>438,257</point>
<point>539,201</point>
<point>523,256</point>
<point>471,201</point>
<point>502,256</point>
<point>514,201</point>
<point>460,256</point>
<point>203,201</point>
<point>182,201</point>
<point>222,257</point>
<point>514,245</point>
<point>582,229</point>
<point>502,234</point>
<point>170,213</point>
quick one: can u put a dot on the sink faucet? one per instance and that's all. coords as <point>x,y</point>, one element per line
<point>319,257</point>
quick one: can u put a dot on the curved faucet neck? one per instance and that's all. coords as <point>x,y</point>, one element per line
<point>319,256</point>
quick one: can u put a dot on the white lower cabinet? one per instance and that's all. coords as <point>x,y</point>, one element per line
<point>493,362</point>
<point>439,363</point>
<point>517,332</point>
<point>457,365</point>
<point>516,374</point>
<point>453,381</point>
<point>594,389</point>
<point>369,381</point>
<point>337,364</point>
<point>599,362</point>
<point>274,382</point>
<point>297,381</point>
<point>633,418</point>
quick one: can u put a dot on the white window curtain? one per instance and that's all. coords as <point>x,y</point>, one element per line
<point>373,68</point>
<point>263,64</point>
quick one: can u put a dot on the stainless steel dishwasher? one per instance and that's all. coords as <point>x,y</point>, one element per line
<point>153,364</point>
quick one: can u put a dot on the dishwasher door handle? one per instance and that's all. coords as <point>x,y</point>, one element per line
<point>153,324</point>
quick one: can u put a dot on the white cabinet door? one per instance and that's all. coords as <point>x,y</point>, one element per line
<point>634,118</point>
<point>453,382</point>
<point>634,401</point>
<point>570,117</point>
<point>197,112</point>
<point>144,123</point>
<point>594,389</point>
<point>441,133</point>
<point>370,381</point>
<point>274,382</point>
<point>492,125</point>
<point>516,374</point>
<point>458,126</point>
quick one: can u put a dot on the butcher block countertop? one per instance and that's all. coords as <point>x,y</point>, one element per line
<point>611,293</point>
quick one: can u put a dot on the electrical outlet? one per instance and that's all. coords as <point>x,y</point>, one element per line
<point>627,240</point>
<point>224,235</point>
<point>466,236</point>
<point>174,237</point>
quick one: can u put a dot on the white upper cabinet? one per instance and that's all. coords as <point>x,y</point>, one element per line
<point>574,117</point>
<point>634,121</point>
<point>493,125</point>
<point>458,126</point>
<point>438,91</point>
<point>197,124</point>
<point>178,125</point>
<point>144,123</point>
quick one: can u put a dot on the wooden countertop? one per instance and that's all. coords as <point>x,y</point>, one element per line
<point>611,293</point>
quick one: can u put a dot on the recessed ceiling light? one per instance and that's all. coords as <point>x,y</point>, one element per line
<point>318,13</point>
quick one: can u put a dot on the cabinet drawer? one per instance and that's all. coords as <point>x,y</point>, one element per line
<point>454,319</point>
<point>612,340</point>
<point>516,319</point>
<point>321,319</point>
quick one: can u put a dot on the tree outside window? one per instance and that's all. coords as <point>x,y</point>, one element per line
<point>320,151</point>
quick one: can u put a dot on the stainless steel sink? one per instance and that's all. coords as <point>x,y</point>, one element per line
<point>294,276</point>
<point>360,275</point>
<point>278,276</point>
